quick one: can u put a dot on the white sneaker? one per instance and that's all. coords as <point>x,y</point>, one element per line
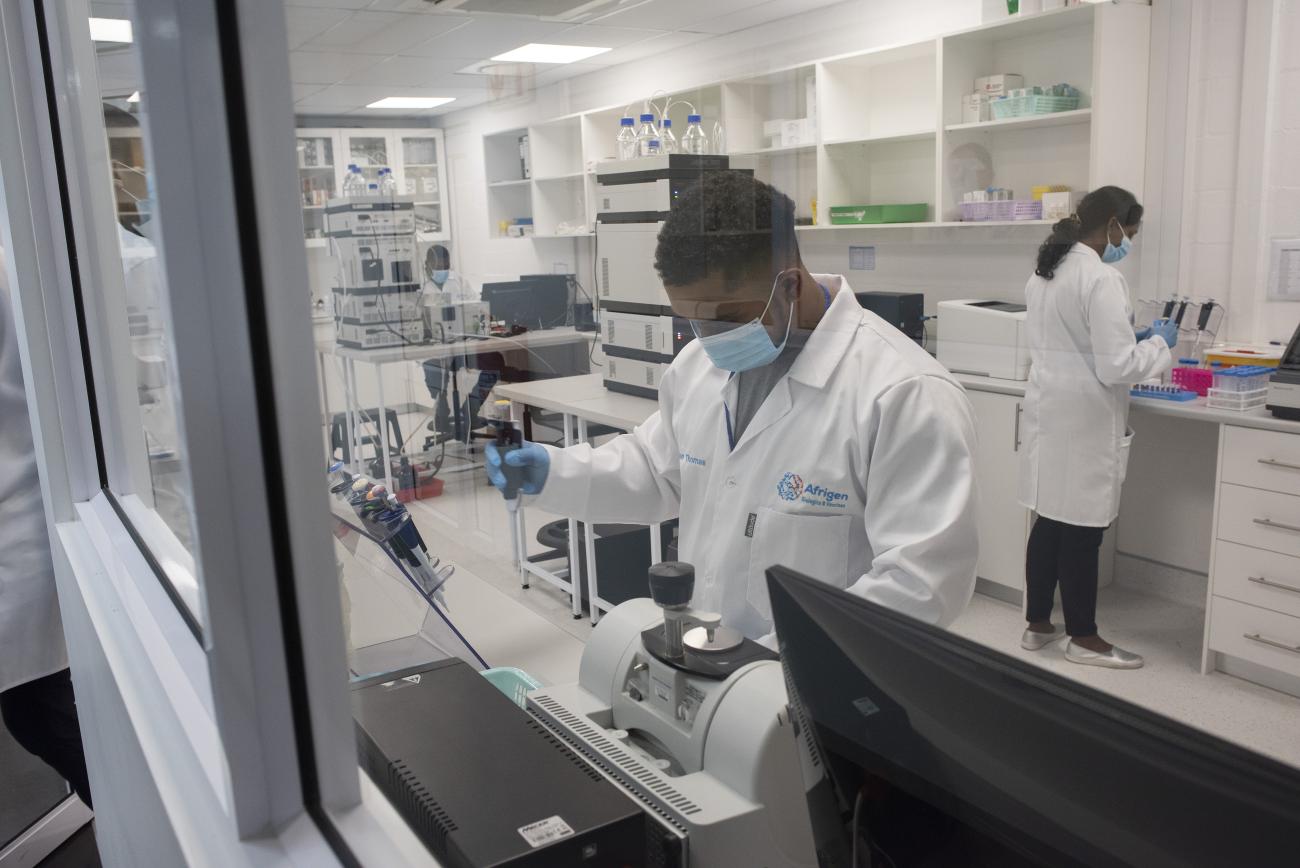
<point>1034,641</point>
<point>1115,658</point>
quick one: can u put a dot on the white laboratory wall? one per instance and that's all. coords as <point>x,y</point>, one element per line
<point>1213,121</point>
<point>1281,201</point>
<point>846,27</point>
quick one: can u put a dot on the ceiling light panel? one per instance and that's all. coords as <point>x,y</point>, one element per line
<point>542,52</point>
<point>410,102</point>
<point>110,30</point>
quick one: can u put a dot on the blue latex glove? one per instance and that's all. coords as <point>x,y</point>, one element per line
<point>1142,333</point>
<point>532,460</point>
<point>1167,330</point>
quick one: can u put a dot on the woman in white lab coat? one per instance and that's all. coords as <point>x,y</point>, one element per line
<point>797,429</point>
<point>1085,357</point>
<point>36,699</point>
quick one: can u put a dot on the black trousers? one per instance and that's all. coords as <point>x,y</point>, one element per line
<point>1066,554</point>
<point>41,715</point>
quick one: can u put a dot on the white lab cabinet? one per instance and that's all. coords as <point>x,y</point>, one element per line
<point>415,155</point>
<point>1252,623</point>
<point>1003,522</point>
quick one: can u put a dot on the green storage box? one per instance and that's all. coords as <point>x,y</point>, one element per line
<point>868,214</point>
<point>847,214</point>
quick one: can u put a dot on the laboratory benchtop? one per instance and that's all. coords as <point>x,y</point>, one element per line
<point>1196,410</point>
<point>470,346</point>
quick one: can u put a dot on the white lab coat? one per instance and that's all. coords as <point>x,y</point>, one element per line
<point>856,470</point>
<point>1084,358</point>
<point>31,633</point>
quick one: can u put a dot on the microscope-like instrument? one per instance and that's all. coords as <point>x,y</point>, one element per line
<point>692,719</point>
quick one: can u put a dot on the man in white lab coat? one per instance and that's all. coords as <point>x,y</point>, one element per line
<point>798,429</point>
<point>36,697</point>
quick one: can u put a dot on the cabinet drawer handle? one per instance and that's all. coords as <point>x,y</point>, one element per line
<point>1260,580</point>
<point>1019,410</point>
<point>1272,643</point>
<point>1268,522</point>
<point>1273,462</point>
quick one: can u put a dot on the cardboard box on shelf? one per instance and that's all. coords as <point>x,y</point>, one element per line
<point>1058,206</point>
<point>997,85</point>
<point>974,108</point>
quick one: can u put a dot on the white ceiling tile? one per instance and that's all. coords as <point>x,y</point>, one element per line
<point>327,67</point>
<point>486,36</point>
<point>605,37</point>
<point>406,71</point>
<point>302,91</point>
<point>116,9</point>
<point>304,24</point>
<point>348,96</point>
<point>754,14</point>
<point>386,32</point>
<point>685,14</point>
<point>656,45</point>
<point>329,4</point>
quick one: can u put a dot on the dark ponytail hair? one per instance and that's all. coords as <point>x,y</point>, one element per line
<point>1095,212</point>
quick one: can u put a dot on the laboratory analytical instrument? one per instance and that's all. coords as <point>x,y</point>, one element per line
<point>451,321</point>
<point>633,199</point>
<point>691,718</point>
<point>959,749</point>
<point>483,784</point>
<point>987,338</point>
<point>1284,385</point>
<point>905,311</point>
<point>377,284</point>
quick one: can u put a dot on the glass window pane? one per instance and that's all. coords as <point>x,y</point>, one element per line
<point>154,489</point>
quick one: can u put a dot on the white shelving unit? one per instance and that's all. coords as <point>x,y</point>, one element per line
<point>889,126</point>
<point>415,156</point>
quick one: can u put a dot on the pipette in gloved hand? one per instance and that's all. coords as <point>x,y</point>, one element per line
<point>510,439</point>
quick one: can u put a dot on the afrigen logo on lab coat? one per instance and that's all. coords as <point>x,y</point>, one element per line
<point>791,487</point>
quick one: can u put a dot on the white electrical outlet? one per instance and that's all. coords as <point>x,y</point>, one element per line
<point>862,258</point>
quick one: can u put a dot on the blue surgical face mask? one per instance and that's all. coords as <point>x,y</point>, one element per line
<point>745,346</point>
<point>1113,254</point>
<point>440,275</point>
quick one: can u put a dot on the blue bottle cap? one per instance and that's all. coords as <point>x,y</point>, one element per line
<point>626,122</point>
<point>692,119</point>
<point>647,119</point>
<point>667,123</point>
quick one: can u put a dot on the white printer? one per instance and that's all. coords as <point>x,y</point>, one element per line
<point>987,338</point>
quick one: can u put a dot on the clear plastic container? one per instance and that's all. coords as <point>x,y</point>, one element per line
<point>647,137</point>
<point>1231,399</point>
<point>626,139</point>
<point>694,140</point>
<point>387,183</point>
<point>667,141</point>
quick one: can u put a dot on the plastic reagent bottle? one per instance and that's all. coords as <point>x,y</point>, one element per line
<point>694,140</point>
<point>387,183</point>
<point>346,189</point>
<point>626,139</point>
<point>647,137</point>
<point>667,141</point>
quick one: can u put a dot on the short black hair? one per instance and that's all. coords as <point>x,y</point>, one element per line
<point>728,222</point>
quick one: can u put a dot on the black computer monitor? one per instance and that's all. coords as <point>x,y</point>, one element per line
<point>535,301</point>
<point>970,757</point>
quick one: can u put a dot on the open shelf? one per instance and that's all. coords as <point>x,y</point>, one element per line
<point>912,136</point>
<point>945,224</point>
<point>1029,122</point>
<point>774,152</point>
<point>888,125</point>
